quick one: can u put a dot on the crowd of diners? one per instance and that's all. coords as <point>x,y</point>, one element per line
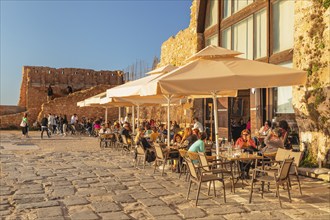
<point>193,137</point>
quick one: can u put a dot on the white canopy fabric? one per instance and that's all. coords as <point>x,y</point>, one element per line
<point>212,71</point>
<point>204,76</point>
<point>213,52</point>
<point>163,69</point>
<point>132,88</point>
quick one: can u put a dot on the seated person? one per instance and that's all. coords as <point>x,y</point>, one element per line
<point>188,138</point>
<point>246,143</point>
<point>264,130</point>
<point>196,132</point>
<point>116,127</point>
<point>142,141</point>
<point>147,130</point>
<point>273,141</point>
<point>162,130</point>
<point>284,134</point>
<point>154,134</point>
<point>97,127</point>
<point>126,132</point>
<point>177,140</point>
<point>199,145</point>
<point>104,129</point>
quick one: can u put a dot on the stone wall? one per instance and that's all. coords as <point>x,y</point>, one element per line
<point>180,47</point>
<point>68,105</point>
<point>312,102</point>
<point>175,51</point>
<point>11,109</point>
<point>33,91</point>
<point>35,81</point>
<point>12,121</point>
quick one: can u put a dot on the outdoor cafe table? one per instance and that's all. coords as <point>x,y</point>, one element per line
<point>243,157</point>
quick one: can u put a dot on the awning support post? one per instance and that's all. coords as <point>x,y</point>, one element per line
<point>215,113</point>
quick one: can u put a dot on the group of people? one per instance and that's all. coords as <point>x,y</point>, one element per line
<point>61,125</point>
<point>275,137</point>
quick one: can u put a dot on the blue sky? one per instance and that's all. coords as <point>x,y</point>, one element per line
<point>100,35</point>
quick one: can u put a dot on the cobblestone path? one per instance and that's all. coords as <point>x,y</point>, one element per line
<point>71,178</point>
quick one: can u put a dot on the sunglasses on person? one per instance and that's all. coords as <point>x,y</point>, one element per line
<point>245,134</point>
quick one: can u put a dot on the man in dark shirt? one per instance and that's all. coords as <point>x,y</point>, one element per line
<point>44,126</point>
<point>125,131</point>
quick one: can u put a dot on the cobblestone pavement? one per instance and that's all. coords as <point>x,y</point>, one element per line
<point>72,178</point>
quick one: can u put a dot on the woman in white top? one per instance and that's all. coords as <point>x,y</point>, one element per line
<point>264,130</point>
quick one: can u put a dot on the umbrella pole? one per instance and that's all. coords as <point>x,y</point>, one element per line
<point>138,116</point>
<point>168,98</point>
<point>119,114</point>
<point>215,112</point>
<point>133,119</point>
<point>106,115</point>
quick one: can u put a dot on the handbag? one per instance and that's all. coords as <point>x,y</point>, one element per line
<point>23,124</point>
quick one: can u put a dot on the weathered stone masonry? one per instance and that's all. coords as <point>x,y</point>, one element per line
<point>33,93</point>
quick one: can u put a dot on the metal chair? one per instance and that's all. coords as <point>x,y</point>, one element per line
<point>183,163</point>
<point>279,178</point>
<point>294,168</point>
<point>200,176</point>
<point>217,167</point>
<point>118,143</point>
<point>141,154</point>
<point>125,144</point>
<point>160,157</point>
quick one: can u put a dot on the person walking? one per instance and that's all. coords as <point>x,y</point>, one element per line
<point>65,124</point>
<point>24,125</point>
<point>51,122</point>
<point>44,127</point>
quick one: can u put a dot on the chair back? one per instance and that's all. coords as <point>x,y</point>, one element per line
<point>183,153</point>
<point>140,149</point>
<point>297,156</point>
<point>159,152</point>
<point>203,161</point>
<point>123,137</point>
<point>282,154</point>
<point>117,137</point>
<point>192,155</point>
<point>192,169</point>
<point>285,169</point>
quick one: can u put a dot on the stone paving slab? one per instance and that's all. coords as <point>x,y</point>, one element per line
<point>74,179</point>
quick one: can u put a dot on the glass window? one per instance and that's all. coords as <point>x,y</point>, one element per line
<point>240,4</point>
<point>213,40</point>
<point>226,38</point>
<point>260,34</point>
<point>283,96</point>
<point>227,8</point>
<point>243,37</point>
<point>211,13</point>
<point>283,22</point>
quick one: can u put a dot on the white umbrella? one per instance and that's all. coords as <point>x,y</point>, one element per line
<point>215,69</point>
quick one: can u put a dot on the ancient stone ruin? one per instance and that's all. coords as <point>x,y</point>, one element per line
<point>33,93</point>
